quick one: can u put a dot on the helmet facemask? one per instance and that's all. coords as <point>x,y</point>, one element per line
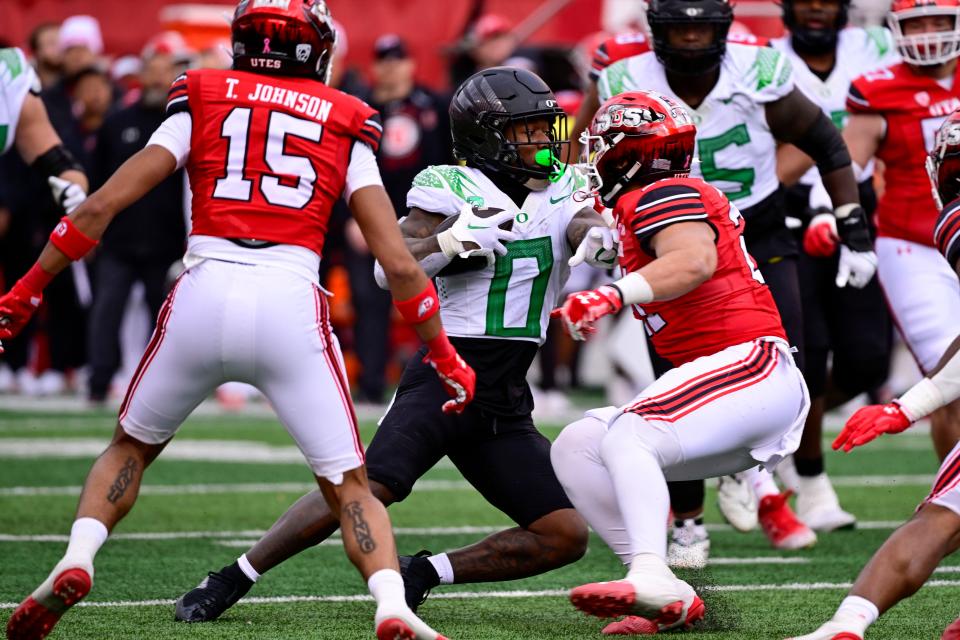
<point>930,47</point>
<point>943,163</point>
<point>814,41</point>
<point>664,15</point>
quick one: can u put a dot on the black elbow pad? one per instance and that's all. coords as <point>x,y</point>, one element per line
<point>55,161</point>
<point>823,142</point>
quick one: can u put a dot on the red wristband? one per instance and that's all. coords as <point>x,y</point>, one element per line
<point>36,280</point>
<point>440,347</point>
<point>71,241</point>
<point>420,307</point>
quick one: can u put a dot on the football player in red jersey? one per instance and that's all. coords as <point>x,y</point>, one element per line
<point>894,113</point>
<point>733,400</point>
<point>909,556</point>
<point>268,147</point>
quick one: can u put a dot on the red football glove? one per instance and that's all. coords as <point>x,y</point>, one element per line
<point>457,376</point>
<point>869,422</point>
<point>581,309</point>
<point>821,238</point>
<point>17,306</point>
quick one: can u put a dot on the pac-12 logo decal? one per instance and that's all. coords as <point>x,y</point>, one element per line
<point>303,52</point>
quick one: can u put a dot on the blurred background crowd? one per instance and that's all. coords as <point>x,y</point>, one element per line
<point>105,71</point>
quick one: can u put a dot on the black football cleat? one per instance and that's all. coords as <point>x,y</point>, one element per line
<point>419,577</point>
<point>216,593</point>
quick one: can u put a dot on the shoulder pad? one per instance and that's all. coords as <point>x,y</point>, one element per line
<point>444,189</point>
<point>772,70</point>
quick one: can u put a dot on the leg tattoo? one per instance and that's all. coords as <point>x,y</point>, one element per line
<point>361,530</point>
<point>123,480</point>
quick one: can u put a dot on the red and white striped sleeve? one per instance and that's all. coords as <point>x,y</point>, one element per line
<point>178,96</point>
<point>666,205</point>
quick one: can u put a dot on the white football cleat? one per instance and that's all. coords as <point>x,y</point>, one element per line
<point>818,506</point>
<point>832,630</point>
<point>689,546</point>
<point>737,502</point>
<point>403,624</point>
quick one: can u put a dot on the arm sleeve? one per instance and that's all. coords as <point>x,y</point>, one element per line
<point>664,206</point>
<point>362,170</point>
<point>178,98</point>
<point>947,233</point>
<point>371,130</point>
<point>857,101</point>
<point>174,136</point>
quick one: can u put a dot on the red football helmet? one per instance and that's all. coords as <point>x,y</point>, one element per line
<point>930,47</point>
<point>636,138</point>
<point>284,37</point>
<point>943,162</point>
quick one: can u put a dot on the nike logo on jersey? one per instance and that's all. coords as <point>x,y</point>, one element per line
<point>560,199</point>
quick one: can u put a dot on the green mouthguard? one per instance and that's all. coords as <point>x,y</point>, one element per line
<point>545,158</point>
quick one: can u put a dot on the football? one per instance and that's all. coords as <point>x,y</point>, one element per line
<point>473,263</point>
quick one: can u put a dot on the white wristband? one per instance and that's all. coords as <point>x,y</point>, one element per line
<point>634,288</point>
<point>450,246</point>
<point>921,400</point>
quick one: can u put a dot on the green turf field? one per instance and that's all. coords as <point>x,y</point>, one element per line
<point>196,515</point>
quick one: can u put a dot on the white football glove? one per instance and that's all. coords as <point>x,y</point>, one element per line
<point>68,194</point>
<point>598,248</point>
<point>856,267</point>
<point>483,232</point>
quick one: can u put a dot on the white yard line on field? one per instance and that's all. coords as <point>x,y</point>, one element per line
<point>475,595</point>
<point>422,485</point>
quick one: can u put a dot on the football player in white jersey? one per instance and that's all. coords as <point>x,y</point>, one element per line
<point>497,288</point>
<point>852,324</point>
<point>24,123</point>
<point>743,101</point>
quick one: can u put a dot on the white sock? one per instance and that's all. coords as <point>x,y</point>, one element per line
<point>857,612</point>
<point>762,482</point>
<point>86,537</point>
<point>247,568</point>
<point>441,564</point>
<point>386,586</point>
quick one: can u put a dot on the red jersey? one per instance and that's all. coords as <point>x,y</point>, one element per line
<point>913,107</point>
<point>947,233</point>
<point>268,155</point>
<point>732,307</point>
<point>625,45</point>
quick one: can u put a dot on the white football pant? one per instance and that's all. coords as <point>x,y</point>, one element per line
<point>923,294</point>
<point>265,326</point>
<point>713,416</point>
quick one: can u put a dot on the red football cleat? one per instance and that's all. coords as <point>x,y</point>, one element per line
<point>781,526</point>
<point>396,628</point>
<point>617,598</point>
<point>952,632</point>
<point>35,619</point>
<point>637,626</point>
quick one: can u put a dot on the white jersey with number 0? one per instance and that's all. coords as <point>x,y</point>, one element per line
<point>858,51</point>
<point>513,298</point>
<point>735,148</point>
<point>17,79</point>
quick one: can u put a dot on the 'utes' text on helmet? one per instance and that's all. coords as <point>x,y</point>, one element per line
<point>284,38</point>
